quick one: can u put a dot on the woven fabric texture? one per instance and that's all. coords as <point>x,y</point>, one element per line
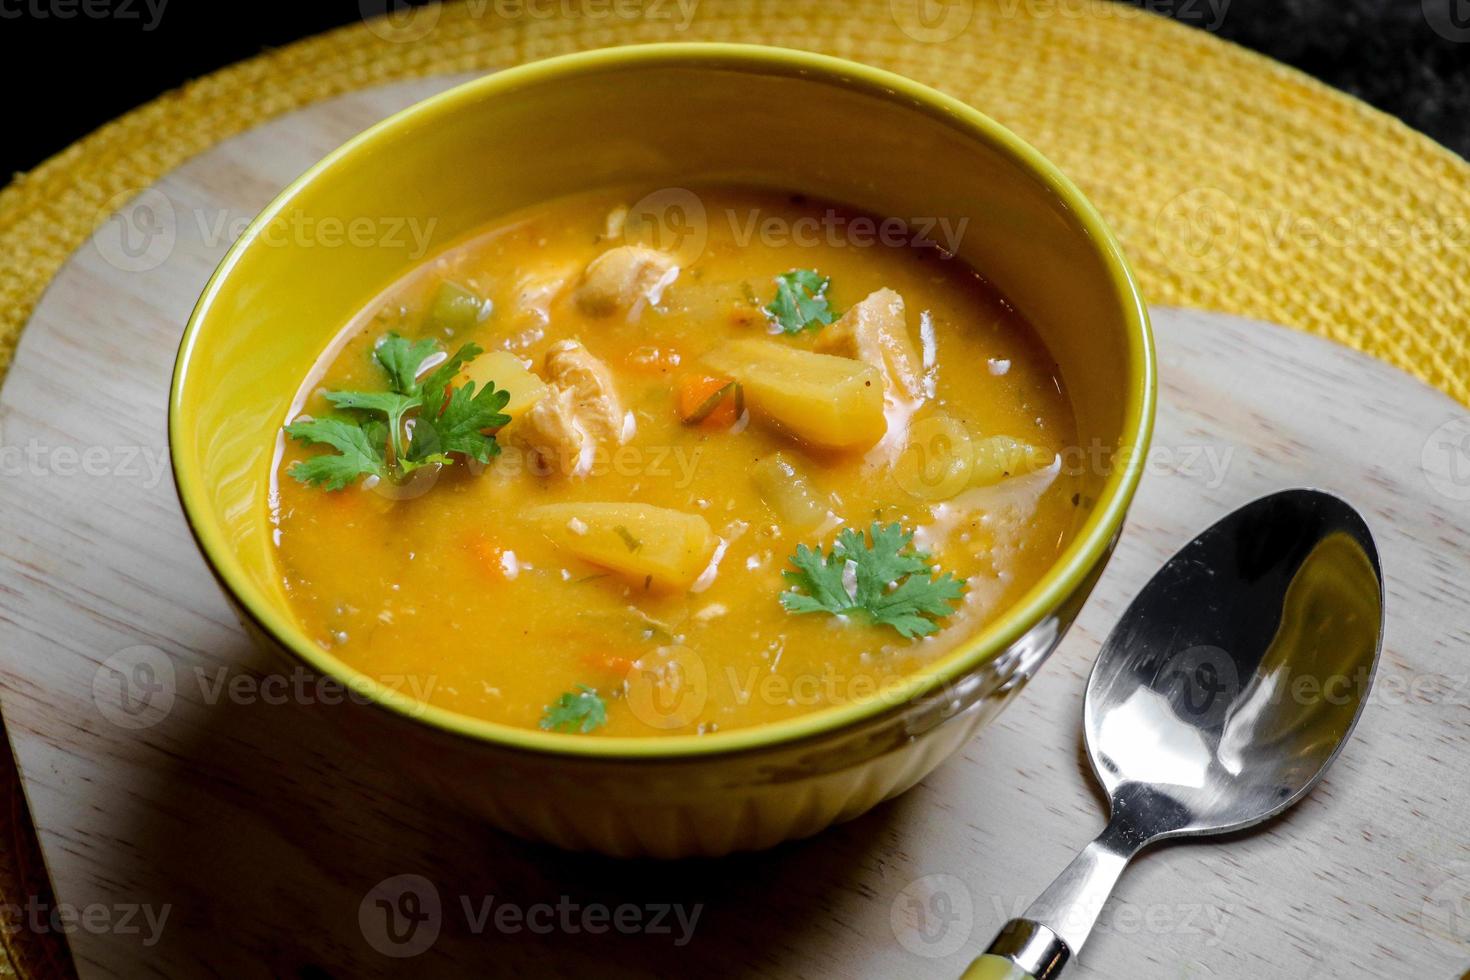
<point>1234,183</point>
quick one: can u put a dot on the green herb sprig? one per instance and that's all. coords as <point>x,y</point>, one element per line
<point>801,301</point>
<point>578,711</point>
<point>415,423</point>
<point>891,583</point>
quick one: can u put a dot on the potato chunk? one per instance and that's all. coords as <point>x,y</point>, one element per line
<point>505,371</point>
<point>876,332</point>
<point>831,402</point>
<point>620,277</point>
<point>666,548</point>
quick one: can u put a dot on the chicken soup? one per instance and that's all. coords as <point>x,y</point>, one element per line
<point>606,475</point>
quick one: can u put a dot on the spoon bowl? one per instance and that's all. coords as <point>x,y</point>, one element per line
<point>1221,697</point>
<point>1233,680</point>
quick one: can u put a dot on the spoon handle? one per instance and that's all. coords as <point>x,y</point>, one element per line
<point>1024,950</point>
<point>1038,945</point>
<point>988,966</point>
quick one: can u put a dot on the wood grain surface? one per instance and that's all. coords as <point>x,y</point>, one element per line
<point>214,823</point>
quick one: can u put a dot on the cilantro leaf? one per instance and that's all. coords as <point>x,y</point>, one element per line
<point>915,597</point>
<point>822,579</point>
<point>890,583</point>
<point>437,381</point>
<point>422,422</point>
<point>456,426</point>
<point>402,359</point>
<point>888,560</point>
<point>576,711</point>
<point>395,407</point>
<point>801,301</point>
<point>390,403</point>
<point>359,453</point>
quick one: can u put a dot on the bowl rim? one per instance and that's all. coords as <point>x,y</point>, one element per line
<point>1088,548</point>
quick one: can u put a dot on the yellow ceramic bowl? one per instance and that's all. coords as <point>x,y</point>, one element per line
<point>661,116</point>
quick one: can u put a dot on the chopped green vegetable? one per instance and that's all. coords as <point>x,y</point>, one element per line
<point>576,711</point>
<point>633,543</point>
<point>456,308</point>
<point>422,422</point>
<point>890,584</point>
<point>801,301</point>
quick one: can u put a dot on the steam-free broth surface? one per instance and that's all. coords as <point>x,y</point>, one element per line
<point>617,568</point>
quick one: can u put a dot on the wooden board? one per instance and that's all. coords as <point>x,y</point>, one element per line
<point>264,834</point>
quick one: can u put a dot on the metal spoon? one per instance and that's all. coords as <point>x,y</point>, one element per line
<point>1219,700</point>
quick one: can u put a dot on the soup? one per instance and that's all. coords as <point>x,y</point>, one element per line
<point>610,476</point>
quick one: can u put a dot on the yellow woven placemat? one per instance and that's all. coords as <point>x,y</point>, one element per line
<point>1234,183</point>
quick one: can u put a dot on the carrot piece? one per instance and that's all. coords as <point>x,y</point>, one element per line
<point>695,390</point>
<point>488,555</point>
<point>711,402</point>
<point>608,661</point>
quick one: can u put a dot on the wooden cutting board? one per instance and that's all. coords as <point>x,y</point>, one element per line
<point>210,832</point>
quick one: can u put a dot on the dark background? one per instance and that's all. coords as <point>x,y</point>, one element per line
<point>65,77</point>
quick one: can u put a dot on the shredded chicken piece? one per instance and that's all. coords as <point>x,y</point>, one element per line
<point>534,293</point>
<point>875,331</point>
<point>621,277</point>
<point>571,366</point>
<point>580,411</point>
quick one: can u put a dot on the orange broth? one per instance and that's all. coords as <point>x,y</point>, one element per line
<point>443,588</point>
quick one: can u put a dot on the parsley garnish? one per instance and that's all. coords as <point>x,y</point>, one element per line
<point>801,301</point>
<point>891,584</point>
<point>359,452</point>
<point>413,424</point>
<point>576,711</point>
